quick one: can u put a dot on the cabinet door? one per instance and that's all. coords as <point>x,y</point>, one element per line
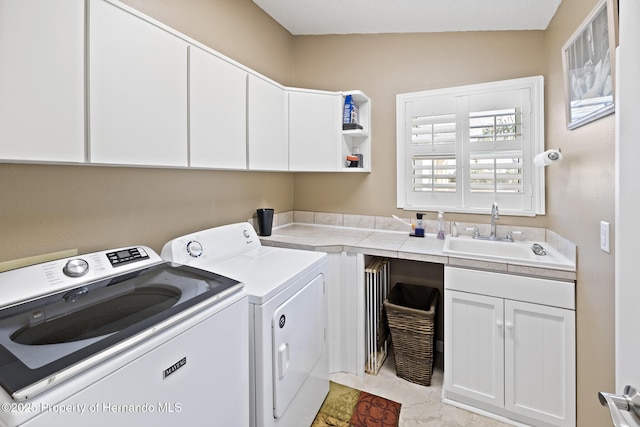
<point>346,307</point>
<point>540,362</point>
<point>314,131</point>
<point>217,112</point>
<point>137,90</point>
<point>42,80</point>
<point>268,147</point>
<point>474,344</point>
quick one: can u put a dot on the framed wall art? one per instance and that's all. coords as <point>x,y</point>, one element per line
<point>588,66</point>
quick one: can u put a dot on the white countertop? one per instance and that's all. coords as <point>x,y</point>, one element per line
<point>391,244</point>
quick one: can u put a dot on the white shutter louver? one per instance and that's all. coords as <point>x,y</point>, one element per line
<point>496,173</point>
<point>431,173</point>
<point>495,159</point>
<point>433,162</point>
<point>495,126</point>
<point>434,131</point>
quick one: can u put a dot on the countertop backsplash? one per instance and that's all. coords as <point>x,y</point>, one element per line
<point>384,223</point>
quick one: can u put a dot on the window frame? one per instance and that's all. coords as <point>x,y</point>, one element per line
<point>533,177</point>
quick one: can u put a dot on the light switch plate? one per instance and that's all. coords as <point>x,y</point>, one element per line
<point>604,237</point>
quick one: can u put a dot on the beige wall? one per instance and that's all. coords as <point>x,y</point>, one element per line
<point>580,193</point>
<point>385,65</point>
<point>50,208</point>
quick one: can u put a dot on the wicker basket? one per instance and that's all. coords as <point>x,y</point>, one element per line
<point>412,332</point>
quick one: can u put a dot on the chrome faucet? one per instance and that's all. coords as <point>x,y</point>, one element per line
<point>495,214</point>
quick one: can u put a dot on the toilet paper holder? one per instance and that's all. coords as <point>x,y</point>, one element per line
<point>547,158</point>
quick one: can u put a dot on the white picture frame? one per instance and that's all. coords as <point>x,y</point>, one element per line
<point>588,65</point>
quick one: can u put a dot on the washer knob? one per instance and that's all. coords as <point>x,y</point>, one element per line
<point>194,248</point>
<point>76,267</point>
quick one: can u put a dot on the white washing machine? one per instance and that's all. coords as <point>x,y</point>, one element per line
<point>122,338</point>
<point>287,317</point>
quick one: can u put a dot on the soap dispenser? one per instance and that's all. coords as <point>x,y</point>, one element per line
<point>419,230</point>
<point>440,225</point>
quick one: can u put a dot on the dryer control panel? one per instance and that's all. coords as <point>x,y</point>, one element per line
<point>213,245</point>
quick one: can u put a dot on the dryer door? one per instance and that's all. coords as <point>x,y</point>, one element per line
<point>298,331</point>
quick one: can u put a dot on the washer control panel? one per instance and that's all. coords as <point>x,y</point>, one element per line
<point>78,267</point>
<point>26,283</point>
<point>125,256</point>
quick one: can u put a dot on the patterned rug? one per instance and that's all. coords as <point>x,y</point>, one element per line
<point>348,407</point>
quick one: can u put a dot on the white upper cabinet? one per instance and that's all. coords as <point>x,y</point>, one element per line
<point>217,112</point>
<point>137,90</point>
<point>314,130</point>
<point>268,147</point>
<point>97,81</point>
<point>42,80</point>
<point>357,141</point>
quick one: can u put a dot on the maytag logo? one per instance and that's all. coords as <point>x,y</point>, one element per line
<point>171,369</point>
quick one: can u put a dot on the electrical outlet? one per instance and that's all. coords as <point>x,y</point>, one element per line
<point>604,237</point>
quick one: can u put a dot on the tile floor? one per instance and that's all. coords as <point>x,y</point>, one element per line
<point>421,406</point>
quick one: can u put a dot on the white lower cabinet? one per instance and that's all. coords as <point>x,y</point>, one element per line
<point>474,352</point>
<point>345,331</point>
<point>510,346</point>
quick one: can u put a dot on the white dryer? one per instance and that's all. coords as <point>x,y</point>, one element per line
<point>289,374</point>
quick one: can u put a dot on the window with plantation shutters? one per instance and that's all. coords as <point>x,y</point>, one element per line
<point>462,149</point>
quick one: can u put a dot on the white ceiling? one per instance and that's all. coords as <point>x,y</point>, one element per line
<point>302,17</point>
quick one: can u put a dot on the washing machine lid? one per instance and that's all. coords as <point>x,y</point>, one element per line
<point>46,340</point>
<point>267,271</point>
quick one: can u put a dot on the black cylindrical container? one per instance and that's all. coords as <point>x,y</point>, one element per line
<point>265,221</point>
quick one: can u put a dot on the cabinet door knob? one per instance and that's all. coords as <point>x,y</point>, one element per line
<point>509,325</point>
<point>499,323</point>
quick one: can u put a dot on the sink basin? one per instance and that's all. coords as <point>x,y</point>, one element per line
<point>502,251</point>
<point>489,248</point>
